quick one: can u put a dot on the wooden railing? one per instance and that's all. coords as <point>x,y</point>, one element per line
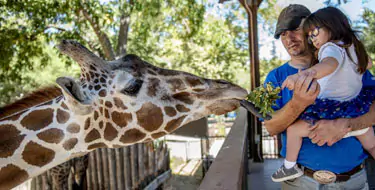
<point>229,169</point>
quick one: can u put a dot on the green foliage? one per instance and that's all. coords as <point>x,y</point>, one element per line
<point>264,98</point>
<point>368,37</point>
<point>178,34</point>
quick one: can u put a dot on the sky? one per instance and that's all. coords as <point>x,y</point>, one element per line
<point>353,9</point>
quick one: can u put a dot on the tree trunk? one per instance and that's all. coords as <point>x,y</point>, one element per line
<point>122,40</point>
<point>103,38</point>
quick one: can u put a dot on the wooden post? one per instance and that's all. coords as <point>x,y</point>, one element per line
<point>127,168</point>
<point>105,167</point>
<point>112,168</point>
<point>120,168</point>
<point>255,127</point>
<point>134,166</point>
<point>141,167</point>
<point>99,170</point>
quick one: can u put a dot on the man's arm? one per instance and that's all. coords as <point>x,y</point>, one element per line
<point>331,131</point>
<point>303,96</point>
<point>364,121</point>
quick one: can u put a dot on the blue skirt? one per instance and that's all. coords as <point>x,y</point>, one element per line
<point>333,109</point>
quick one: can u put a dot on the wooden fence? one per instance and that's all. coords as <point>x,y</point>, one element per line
<point>132,167</point>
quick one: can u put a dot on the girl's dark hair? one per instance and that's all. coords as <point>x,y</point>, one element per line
<point>335,21</point>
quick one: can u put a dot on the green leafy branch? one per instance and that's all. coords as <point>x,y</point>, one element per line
<point>264,97</point>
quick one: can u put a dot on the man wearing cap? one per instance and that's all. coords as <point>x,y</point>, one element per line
<point>328,161</point>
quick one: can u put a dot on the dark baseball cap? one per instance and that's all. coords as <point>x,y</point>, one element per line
<point>290,18</point>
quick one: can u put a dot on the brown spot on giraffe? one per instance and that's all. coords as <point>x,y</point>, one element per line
<point>158,135</point>
<point>132,136</point>
<point>108,104</point>
<point>73,128</point>
<point>150,117</point>
<point>193,81</point>
<point>121,119</point>
<point>119,103</point>
<point>170,111</point>
<point>98,87</point>
<point>87,123</point>
<point>174,124</point>
<point>183,97</point>
<point>62,116</point>
<point>11,176</point>
<point>96,115</point>
<point>101,124</point>
<point>182,108</point>
<point>110,132</point>
<point>37,155</point>
<point>92,68</point>
<point>93,135</point>
<point>153,86</point>
<point>176,84</point>
<point>10,139</point>
<point>38,119</point>
<point>70,144</point>
<point>106,113</point>
<point>51,135</point>
<point>96,145</point>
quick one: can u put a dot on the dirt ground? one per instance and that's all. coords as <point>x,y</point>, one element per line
<point>186,176</point>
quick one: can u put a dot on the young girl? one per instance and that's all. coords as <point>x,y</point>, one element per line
<point>342,62</point>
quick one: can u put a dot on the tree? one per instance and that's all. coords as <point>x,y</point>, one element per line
<point>369,33</point>
<point>111,29</point>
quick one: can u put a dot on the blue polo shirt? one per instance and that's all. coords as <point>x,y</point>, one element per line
<point>340,157</point>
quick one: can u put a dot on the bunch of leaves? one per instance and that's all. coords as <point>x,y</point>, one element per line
<point>264,97</point>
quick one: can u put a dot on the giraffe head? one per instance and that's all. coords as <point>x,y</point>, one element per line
<point>130,91</point>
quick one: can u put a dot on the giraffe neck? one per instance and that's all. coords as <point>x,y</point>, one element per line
<point>37,139</point>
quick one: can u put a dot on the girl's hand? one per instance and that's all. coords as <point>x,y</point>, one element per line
<point>290,82</point>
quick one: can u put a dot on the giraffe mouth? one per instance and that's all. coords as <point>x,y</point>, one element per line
<point>220,107</point>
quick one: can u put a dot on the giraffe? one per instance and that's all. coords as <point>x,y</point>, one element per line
<point>59,174</point>
<point>114,104</point>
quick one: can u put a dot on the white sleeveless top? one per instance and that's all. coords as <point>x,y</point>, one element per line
<point>345,83</point>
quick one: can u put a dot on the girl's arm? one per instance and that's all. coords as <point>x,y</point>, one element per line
<point>327,66</point>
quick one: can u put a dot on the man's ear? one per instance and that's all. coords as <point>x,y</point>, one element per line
<point>75,99</point>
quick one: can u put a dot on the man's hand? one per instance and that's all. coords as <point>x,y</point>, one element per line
<point>329,131</point>
<point>306,89</point>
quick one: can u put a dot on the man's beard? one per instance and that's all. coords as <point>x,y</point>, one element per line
<point>298,52</point>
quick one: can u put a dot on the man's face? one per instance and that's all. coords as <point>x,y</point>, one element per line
<point>294,42</point>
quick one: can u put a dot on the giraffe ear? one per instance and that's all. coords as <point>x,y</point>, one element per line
<point>76,100</point>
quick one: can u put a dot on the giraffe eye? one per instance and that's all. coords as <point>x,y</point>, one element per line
<point>133,87</point>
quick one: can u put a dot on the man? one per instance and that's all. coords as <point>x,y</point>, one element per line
<point>341,159</point>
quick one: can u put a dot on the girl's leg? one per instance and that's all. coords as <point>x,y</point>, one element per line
<point>289,170</point>
<point>295,132</point>
<point>368,141</point>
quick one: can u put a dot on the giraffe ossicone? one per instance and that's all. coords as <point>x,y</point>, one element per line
<point>114,104</point>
